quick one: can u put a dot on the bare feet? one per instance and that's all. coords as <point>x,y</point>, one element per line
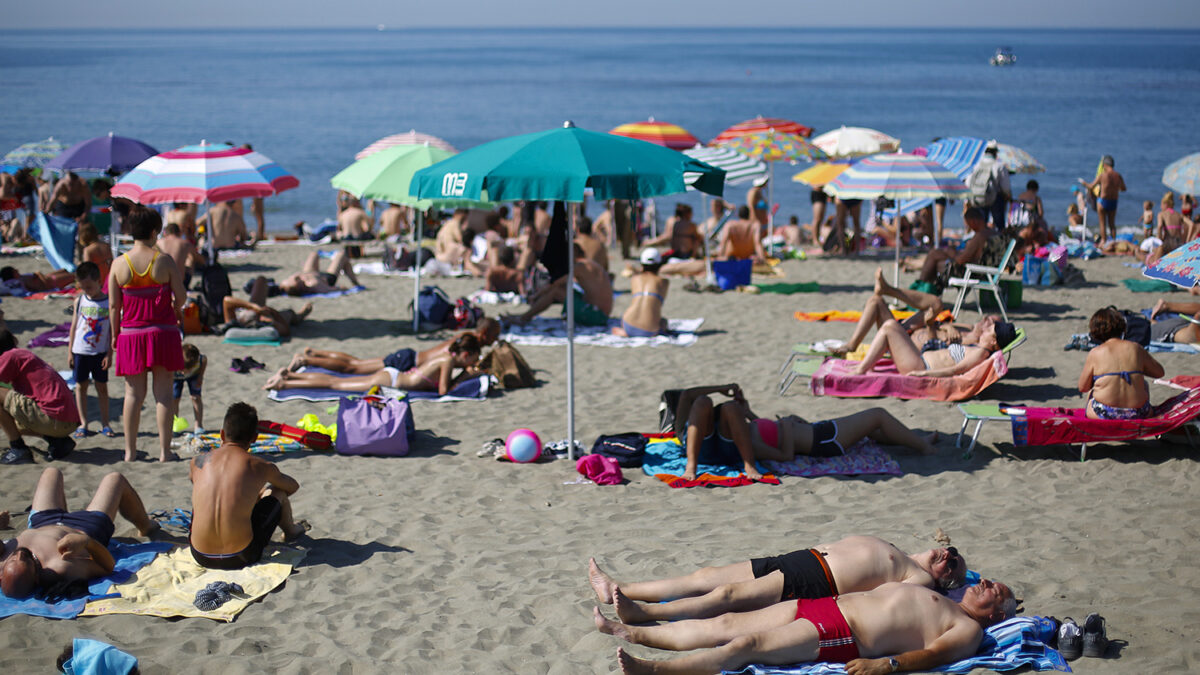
<point>631,665</point>
<point>931,441</point>
<point>304,312</point>
<point>300,527</point>
<point>131,456</point>
<point>609,627</point>
<point>4,518</point>
<point>881,285</point>
<point>276,381</point>
<point>628,611</point>
<point>152,531</point>
<point>297,363</point>
<point>167,456</point>
<point>602,584</point>
<point>688,475</point>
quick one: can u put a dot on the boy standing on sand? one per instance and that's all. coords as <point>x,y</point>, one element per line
<point>1111,186</point>
<point>91,346</point>
<point>238,499</point>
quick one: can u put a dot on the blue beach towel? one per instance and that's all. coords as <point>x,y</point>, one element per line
<point>338,293</point>
<point>57,236</point>
<point>1016,643</point>
<point>129,559</point>
<point>474,389</point>
<point>670,457</point>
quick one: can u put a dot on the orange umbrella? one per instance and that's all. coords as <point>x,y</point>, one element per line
<point>659,133</point>
<point>820,174</point>
<point>757,124</point>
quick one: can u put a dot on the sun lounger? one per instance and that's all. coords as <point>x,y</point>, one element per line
<point>1070,426</point>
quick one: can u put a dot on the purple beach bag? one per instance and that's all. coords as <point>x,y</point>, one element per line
<point>374,426</point>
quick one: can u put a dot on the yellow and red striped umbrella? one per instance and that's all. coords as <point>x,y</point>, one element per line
<point>758,124</point>
<point>659,133</point>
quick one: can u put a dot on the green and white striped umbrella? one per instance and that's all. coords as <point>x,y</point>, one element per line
<point>34,155</point>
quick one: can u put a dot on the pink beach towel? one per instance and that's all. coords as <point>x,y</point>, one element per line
<point>600,470</point>
<point>1066,426</point>
<point>834,378</point>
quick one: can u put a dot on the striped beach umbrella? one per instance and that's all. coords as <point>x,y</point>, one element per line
<point>738,167</point>
<point>199,173</point>
<point>960,154</point>
<point>762,124</point>
<point>411,137</point>
<point>855,142</point>
<point>33,155</point>
<point>897,176</point>
<point>821,173</point>
<point>1182,175</point>
<point>659,133</point>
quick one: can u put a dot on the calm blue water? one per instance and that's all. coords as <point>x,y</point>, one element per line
<point>311,99</point>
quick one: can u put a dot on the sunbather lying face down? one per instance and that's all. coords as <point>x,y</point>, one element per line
<point>892,628</point>
<point>731,434</point>
<point>853,564</point>
<point>934,360</point>
<point>435,375</point>
<point>1115,372</point>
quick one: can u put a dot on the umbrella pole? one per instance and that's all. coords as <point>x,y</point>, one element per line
<point>570,300</point>
<point>417,263</point>
<point>896,224</point>
<point>708,274</point>
<point>770,200</point>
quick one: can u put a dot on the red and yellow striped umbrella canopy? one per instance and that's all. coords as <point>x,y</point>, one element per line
<point>659,133</point>
<point>758,124</point>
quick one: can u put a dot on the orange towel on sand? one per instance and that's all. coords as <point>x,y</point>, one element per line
<point>855,315</point>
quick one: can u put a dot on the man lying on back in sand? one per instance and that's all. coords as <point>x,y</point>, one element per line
<point>856,563</point>
<point>238,499</point>
<point>896,627</point>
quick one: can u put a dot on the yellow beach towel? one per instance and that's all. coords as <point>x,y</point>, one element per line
<point>168,586</point>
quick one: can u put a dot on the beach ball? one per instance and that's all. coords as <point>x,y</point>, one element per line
<point>523,446</point>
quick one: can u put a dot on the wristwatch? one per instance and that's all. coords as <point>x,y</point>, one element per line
<point>894,664</point>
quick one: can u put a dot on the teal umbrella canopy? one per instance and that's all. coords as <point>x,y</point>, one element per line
<point>386,176</point>
<point>559,164</point>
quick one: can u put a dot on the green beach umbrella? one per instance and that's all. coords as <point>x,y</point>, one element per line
<point>559,165</point>
<point>386,175</point>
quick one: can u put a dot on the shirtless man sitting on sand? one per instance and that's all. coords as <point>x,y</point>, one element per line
<point>183,251</point>
<point>225,226</point>
<point>62,548</point>
<point>856,563</point>
<point>923,325</point>
<point>310,280</point>
<point>895,627</point>
<point>592,295</point>
<point>738,241</point>
<point>354,224</point>
<point>238,499</point>
<point>684,237</point>
<point>71,198</point>
<point>488,331</point>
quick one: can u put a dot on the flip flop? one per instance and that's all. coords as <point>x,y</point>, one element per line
<point>81,432</point>
<point>249,362</point>
<point>239,366</point>
<point>108,432</point>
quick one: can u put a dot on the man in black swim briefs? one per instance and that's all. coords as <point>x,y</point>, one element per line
<point>62,548</point>
<point>856,563</point>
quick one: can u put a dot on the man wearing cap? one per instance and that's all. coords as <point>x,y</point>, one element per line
<point>61,547</point>
<point>1111,186</point>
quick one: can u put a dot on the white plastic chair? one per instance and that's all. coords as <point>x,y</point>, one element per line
<point>981,278</point>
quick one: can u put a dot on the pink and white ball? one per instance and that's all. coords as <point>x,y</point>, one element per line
<point>523,446</point>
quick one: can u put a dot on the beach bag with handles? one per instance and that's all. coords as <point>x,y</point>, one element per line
<point>1137,326</point>
<point>374,426</point>
<point>433,308</point>
<point>509,368</point>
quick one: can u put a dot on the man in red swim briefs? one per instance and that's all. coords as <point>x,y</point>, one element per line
<point>896,627</point>
<point>856,563</point>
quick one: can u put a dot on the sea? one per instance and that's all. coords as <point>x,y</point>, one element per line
<point>311,99</point>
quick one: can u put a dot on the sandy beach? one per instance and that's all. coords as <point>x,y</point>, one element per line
<point>443,562</point>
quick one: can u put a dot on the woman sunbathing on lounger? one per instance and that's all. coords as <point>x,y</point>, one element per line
<point>936,361</point>
<point>487,332</point>
<point>1115,372</point>
<point>923,325</point>
<point>649,291</point>
<point>436,375</point>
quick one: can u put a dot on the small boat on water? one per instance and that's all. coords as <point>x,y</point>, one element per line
<point>1004,56</point>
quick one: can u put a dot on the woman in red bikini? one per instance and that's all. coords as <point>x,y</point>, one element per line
<point>434,375</point>
<point>145,308</point>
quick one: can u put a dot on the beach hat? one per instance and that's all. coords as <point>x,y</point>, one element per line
<point>651,256</point>
<point>760,181</point>
<point>1005,333</point>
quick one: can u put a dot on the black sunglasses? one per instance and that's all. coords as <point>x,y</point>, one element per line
<point>953,559</point>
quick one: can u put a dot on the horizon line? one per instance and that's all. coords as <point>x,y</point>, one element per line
<point>641,28</point>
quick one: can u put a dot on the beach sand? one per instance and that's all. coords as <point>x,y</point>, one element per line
<point>443,562</point>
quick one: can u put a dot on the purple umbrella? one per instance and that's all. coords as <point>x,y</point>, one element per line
<point>110,154</point>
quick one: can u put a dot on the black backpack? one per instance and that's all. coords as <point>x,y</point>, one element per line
<point>629,448</point>
<point>214,288</point>
<point>1137,327</point>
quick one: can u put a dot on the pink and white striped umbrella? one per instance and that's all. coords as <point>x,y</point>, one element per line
<point>199,173</point>
<point>412,137</point>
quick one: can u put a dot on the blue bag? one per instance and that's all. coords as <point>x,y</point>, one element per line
<point>433,307</point>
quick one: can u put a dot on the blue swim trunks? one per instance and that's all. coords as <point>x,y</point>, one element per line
<point>95,524</point>
<point>1107,204</point>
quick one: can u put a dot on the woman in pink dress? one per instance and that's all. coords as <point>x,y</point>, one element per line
<point>146,297</point>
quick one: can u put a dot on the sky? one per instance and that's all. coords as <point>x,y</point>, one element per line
<point>1178,14</point>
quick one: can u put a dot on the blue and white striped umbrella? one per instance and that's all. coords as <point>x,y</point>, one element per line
<point>896,176</point>
<point>33,155</point>
<point>960,154</point>
<point>1183,175</point>
<point>738,168</point>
